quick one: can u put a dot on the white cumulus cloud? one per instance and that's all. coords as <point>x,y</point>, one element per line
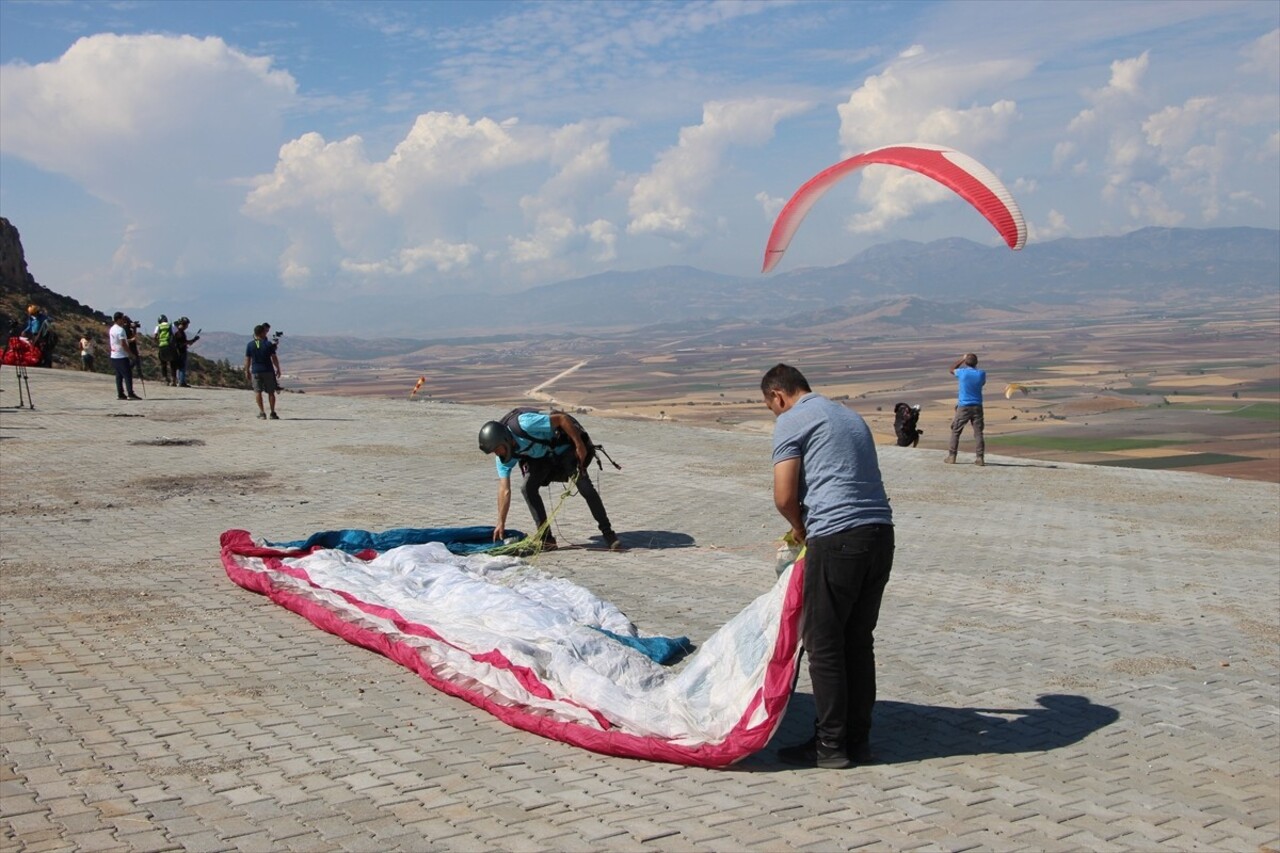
<point>665,202</point>
<point>1262,56</point>
<point>555,212</point>
<point>1179,163</point>
<point>921,97</point>
<point>443,200</point>
<point>160,127</point>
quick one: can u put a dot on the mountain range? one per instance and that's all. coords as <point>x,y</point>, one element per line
<point>898,282</point>
<point>1141,266</point>
<point>902,282</point>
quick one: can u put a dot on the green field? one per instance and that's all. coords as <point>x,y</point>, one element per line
<point>1139,391</point>
<point>1217,408</point>
<point>1189,460</point>
<point>1261,411</point>
<point>1079,444</point>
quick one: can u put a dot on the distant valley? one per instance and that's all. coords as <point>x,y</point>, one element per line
<point>1192,385</point>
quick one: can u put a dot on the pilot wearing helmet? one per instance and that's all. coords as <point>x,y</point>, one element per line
<point>548,448</point>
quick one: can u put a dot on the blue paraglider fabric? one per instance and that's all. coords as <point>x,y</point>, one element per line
<point>459,540</point>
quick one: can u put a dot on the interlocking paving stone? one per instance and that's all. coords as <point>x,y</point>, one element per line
<point>1069,657</point>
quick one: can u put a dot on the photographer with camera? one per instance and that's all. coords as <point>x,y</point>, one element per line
<point>969,380</point>
<point>131,327</point>
<point>118,342</point>
<point>180,345</point>
<point>262,369</point>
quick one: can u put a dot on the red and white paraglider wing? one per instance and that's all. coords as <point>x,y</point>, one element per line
<point>958,172</point>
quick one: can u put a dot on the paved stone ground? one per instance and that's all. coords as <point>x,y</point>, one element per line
<point>1071,657</point>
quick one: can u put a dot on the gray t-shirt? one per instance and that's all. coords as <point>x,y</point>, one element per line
<point>840,484</point>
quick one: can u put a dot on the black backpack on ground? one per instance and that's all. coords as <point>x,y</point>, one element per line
<point>905,417</point>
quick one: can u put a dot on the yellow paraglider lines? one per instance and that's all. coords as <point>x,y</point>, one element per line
<point>531,545</point>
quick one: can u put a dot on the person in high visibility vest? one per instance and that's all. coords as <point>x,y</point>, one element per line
<point>164,345</point>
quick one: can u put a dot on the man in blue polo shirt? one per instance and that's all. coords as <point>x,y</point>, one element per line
<point>548,447</point>
<point>968,407</point>
<point>827,485</point>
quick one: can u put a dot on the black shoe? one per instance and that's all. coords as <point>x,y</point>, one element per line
<point>121,397</point>
<point>813,754</point>
<point>134,397</point>
<point>274,416</point>
<point>184,385</point>
<point>611,541</point>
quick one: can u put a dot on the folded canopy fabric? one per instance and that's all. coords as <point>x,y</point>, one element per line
<point>459,540</point>
<point>539,652</point>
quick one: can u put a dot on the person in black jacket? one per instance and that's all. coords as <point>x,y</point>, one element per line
<point>180,344</point>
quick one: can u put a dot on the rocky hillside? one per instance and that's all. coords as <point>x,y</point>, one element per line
<point>73,320</point>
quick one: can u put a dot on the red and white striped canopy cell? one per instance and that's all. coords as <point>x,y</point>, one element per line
<point>959,172</point>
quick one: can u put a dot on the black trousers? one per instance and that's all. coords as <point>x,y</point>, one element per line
<point>124,376</point>
<point>844,579</point>
<point>559,468</point>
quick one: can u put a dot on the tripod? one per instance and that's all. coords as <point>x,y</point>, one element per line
<point>20,371</point>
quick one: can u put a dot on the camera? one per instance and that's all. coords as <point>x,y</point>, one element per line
<point>277,335</point>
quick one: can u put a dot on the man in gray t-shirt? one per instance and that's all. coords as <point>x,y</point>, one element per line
<point>827,485</point>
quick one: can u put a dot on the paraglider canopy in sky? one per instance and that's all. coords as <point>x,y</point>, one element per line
<point>958,172</point>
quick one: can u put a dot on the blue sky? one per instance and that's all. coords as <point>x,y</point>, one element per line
<point>340,164</point>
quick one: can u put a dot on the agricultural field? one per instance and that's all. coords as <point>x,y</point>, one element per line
<point>1107,384</point>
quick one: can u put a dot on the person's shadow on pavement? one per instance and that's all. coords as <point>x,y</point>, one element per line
<point>904,731</point>
<point>636,540</point>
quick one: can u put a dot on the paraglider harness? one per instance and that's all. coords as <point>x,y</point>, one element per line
<point>511,420</point>
<point>905,418</point>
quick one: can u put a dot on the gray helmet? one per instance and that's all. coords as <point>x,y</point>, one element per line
<point>494,435</point>
<point>163,319</point>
